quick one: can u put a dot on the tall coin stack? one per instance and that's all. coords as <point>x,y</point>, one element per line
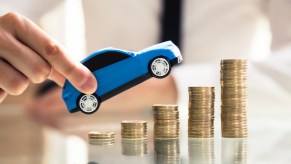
<point>201,112</point>
<point>166,121</point>
<point>233,79</point>
<point>134,129</point>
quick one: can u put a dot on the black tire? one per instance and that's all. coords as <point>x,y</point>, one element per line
<point>165,62</point>
<point>95,103</point>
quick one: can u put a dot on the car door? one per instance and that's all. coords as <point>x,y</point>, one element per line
<point>118,74</point>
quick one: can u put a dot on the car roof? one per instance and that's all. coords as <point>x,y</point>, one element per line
<point>108,49</point>
<point>163,45</point>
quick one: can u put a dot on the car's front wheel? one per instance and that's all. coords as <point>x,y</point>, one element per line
<point>160,67</point>
<point>88,104</point>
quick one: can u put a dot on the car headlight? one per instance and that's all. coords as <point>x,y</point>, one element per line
<point>180,59</point>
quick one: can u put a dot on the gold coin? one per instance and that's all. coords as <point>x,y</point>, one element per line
<point>133,122</point>
<point>107,142</point>
<point>100,135</point>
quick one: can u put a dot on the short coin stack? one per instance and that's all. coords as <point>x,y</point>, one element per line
<point>233,79</point>
<point>101,138</point>
<point>134,129</point>
<point>166,121</point>
<point>201,112</point>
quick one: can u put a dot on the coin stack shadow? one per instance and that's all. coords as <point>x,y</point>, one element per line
<point>167,151</point>
<point>136,147</point>
<point>233,80</point>
<point>201,150</point>
<point>201,112</point>
<point>101,138</point>
<point>134,129</point>
<point>166,121</point>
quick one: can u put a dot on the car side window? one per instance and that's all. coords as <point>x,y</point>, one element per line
<point>102,60</point>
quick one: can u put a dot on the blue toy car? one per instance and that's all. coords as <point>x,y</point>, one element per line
<point>118,70</point>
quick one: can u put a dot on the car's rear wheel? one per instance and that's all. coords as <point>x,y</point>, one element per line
<point>88,104</point>
<point>160,67</point>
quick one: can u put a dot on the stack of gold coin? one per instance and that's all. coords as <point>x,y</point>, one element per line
<point>201,112</point>
<point>101,138</point>
<point>167,151</point>
<point>233,79</point>
<point>136,147</point>
<point>134,129</point>
<point>166,121</point>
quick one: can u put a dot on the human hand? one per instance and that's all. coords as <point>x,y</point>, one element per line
<point>28,54</point>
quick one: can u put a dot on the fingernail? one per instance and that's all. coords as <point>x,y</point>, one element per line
<point>90,85</point>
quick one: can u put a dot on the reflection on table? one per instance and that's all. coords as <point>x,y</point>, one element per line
<point>134,147</point>
<point>234,150</point>
<point>167,151</point>
<point>201,150</point>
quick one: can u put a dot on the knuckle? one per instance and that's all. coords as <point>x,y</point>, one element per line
<point>40,73</point>
<point>17,86</point>
<point>11,21</point>
<point>52,49</point>
<point>12,17</point>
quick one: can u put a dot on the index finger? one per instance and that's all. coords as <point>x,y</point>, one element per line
<point>54,53</point>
